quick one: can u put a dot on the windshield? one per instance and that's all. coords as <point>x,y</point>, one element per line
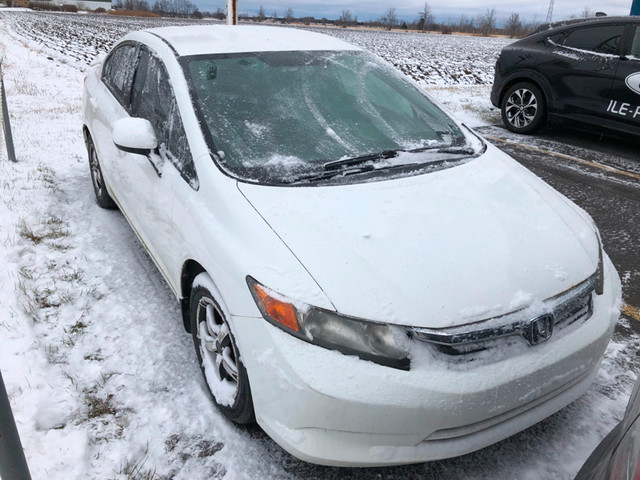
<point>277,117</point>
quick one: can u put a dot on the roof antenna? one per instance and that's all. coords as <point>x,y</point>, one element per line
<point>550,12</point>
<point>232,12</point>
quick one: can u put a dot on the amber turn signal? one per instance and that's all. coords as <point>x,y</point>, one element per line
<point>281,312</point>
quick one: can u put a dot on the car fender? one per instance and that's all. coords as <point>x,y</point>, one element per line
<point>529,75</point>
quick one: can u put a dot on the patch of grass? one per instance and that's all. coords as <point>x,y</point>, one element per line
<point>75,275</point>
<point>47,176</point>
<point>70,378</point>
<point>27,273</point>
<point>62,247</point>
<point>136,471</point>
<point>99,407</point>
<point>53,232</point>
<point>95,293</point>
<point>77,328</point>
<point>24,87</point>
<point>104,378</point>
<point>45,298</point>
<point>29,304</point>
<point>54,220</point>
<point>94,357</point>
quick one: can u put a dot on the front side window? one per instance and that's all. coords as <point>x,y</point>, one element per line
<point>600,39</point>
<point>119,69</point>
<point>152,98</point>
<point>277,116</point>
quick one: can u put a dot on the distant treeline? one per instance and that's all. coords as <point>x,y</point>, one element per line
<point>485,24</point>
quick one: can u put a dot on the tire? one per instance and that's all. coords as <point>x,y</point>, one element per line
<point>217,352</point>
<point>523,108</point>
<point>103,198</point>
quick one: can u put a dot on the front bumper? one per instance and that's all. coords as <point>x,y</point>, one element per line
<point>328,408</point>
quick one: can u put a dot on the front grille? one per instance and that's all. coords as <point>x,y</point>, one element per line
<point>530,325</point>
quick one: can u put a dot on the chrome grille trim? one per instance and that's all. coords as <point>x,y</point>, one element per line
<point>568,307</point>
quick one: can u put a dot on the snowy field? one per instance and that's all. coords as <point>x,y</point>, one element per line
<point>457,70</point>
<point>101,374</point>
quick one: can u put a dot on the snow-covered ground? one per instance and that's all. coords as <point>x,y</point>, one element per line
<point>100,372</point>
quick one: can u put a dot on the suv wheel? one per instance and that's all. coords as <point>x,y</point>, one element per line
<point>523,108</point>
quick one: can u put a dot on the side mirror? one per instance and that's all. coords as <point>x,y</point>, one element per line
<point>134,135</point>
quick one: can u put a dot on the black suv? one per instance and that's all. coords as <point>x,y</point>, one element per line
<point>586,71</point>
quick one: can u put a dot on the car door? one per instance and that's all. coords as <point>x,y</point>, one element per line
<point>109,103</point>
<point>580,67</point>
<point>624,102</point>
<point>152,181</point>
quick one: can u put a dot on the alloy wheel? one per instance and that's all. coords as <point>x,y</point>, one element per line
<point>218,352</point>
<point>521,108</point>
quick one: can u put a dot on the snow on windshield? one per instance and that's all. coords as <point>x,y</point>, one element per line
<point>270,113</point>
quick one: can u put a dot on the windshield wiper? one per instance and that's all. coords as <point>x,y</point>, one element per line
<point>457,150</point>
<point>334,172</point>
<point>385,154</point>
<point>355,165</point>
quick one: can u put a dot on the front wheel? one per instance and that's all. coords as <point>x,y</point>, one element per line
<point>217,353</point>
<point>523,108</point>
<point>103,198</point>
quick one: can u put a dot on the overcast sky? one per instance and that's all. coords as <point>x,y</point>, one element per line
<point>442,9</point>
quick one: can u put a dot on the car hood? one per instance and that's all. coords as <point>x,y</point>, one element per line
<point>435,250</point>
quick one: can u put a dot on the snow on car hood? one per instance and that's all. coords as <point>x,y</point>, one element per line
<point>435,250</point>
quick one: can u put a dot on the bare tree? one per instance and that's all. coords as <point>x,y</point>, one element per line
<point>345,18</point>
<point>513,26</point>
<point>488,22</point>
<point>389,19</point>
<point>288,15</point>
<point>426,17</point>
<point>275,15</point>
<point>219,14</point>
<point>261,14</point>
<point>466,24</point>
<point>586,13</point>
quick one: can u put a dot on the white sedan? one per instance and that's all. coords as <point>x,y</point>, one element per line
<point>361,274</point>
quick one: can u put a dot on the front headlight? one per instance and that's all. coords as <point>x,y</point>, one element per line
<point>368,340</point>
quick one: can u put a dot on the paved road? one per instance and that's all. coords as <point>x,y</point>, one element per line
<point>602,175</point>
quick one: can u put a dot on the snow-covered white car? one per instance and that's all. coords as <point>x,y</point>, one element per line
<point>361,274</point>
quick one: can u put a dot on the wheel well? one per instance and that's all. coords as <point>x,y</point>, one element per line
<point>190,270</point>
<point>86,135</point>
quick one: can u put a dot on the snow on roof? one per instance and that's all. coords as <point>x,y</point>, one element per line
<point>198,40</point>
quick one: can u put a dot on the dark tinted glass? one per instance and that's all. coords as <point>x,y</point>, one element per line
<point>119,69</point>
<point>600,39</point>
<point>635,43</point>
<point>153,98</point>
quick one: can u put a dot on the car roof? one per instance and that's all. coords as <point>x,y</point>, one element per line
<point>546,27</point>
<point>215,39</point>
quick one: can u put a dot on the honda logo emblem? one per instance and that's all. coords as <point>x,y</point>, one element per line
<point>539,329</point>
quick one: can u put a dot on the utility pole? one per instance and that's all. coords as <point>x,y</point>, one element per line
<point>13,465</point>
<point>232,12</point>
<point>550,11</point>
<point>6,124</point>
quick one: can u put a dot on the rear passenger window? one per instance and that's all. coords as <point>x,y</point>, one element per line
<point>118,70</point>
<point>635,43</point>
<point>600,39</point>
<point>152,98</point>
